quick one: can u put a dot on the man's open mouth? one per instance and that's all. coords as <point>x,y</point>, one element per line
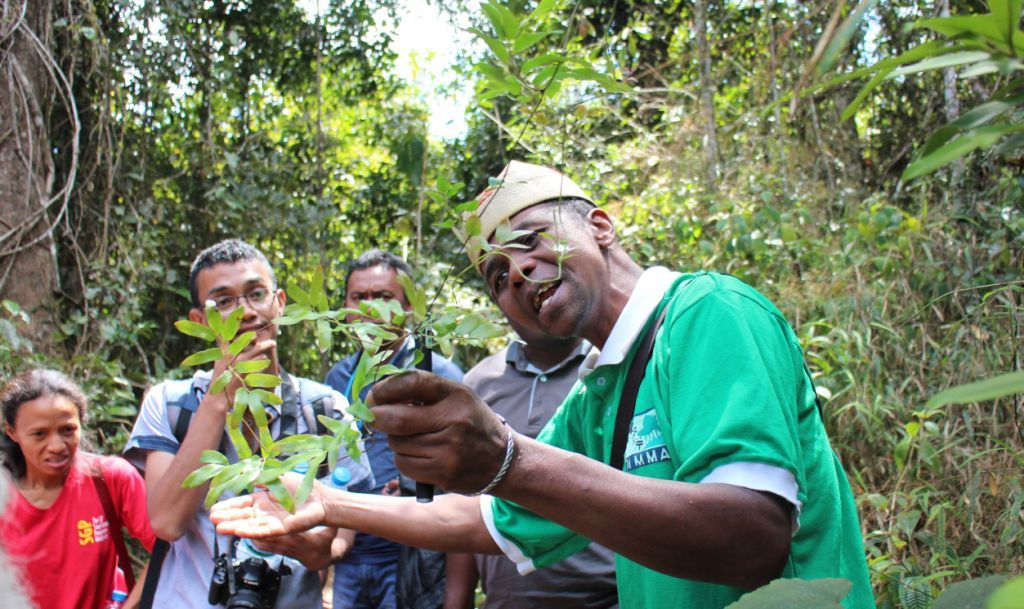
<point>544,293</point>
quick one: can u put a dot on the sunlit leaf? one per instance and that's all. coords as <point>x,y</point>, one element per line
<point>202,357</point>
<point>324,335</point>
<point>199,331</point>
<point>263,380</point>
<point>221,382</point>
<point>957,148</point>
<point>297,294</point>
<point>239,344</point>
<point>280,492</point>
<point>231,324</point>
<point>268,397</point>
<point>212,456</point>
<point>201,475</point>
<point>252,365</point>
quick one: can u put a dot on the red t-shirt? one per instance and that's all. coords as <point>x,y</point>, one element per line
<point>66,551</point>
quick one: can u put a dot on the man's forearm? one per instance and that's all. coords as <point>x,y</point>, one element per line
<point>710,532</point>
<point>451,523</point>
<point>172,507</point>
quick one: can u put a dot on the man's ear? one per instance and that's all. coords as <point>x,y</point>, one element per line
<point>602,227</point>
<point>282,298</point>
<point>194,314</point>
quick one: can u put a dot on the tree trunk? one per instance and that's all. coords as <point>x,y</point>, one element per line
<point>28,263</point>
<point>709,138</point>
<point>952,108</point>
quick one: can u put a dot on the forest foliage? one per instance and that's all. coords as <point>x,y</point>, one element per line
<point>793,144</point>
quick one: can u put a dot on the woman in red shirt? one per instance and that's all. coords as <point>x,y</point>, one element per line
<point>55,527</point>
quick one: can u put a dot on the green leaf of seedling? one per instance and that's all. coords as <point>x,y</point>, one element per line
<point>202,357</point>
<point>234,479</point>
<point>238,408</point>
<point>497,46</point>
<point>252,365</point>
<point>509,21</point>
<point>473,226</point>
<point>213,318</point>
<point>541,60</point>
<point>333,425</point>
<point>268,397</point>
<point>280,492</point>
<point>302,493</point>
<point>231,324</point>
<point>351,438</point>
<point>266,381</point>
<point>238,440</point>
<point>199,331</point>
<point>467,207</point>
<point>214,457</point>
<point>503,234</point>
<point>360,412</point>
<point>297,294</point>
<point>494,16</point>
<point>976,117</point>
<point>414,295</point>
<point>324,335</point>
<point>221,382</point>
<point>201,475</point>
<point>299,443</point>
<point>239,344</point>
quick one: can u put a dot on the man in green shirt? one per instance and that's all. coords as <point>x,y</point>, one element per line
<point>728,480</point>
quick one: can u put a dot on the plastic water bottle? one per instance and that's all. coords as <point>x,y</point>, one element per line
<point>339,478</point>
<point>361,478</point>
<point>120,593</point>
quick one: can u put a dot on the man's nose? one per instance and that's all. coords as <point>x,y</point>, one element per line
<point>521,266</point>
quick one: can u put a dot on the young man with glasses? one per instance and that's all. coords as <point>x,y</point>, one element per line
<point>178,420</point>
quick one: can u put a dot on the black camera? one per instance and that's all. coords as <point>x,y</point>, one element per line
<point>245,584</point>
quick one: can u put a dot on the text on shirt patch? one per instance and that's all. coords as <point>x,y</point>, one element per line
<point>93,531</point>
<point>646,443</point>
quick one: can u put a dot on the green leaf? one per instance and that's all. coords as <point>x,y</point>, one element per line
<point>970,594</point>
<point>280,492</point>
<point>980,391</point>
<point>252,365</point>
<point>983,137</point>
<point>541,60</point>
<point>473,226</point>
<point>988,27</point>
<point>796,594</point>
<point>239,344</point>
<point>231,324</point>
<point>841,37</point>
<point>949,60</point>
<point>263,380</point>
<point>299,443</point>
<point>239,407</point>
<point>360,412</point>
<point>213,318</point>
<point>543,8</point>
<point>268,397</point>
<point>221,382</point>
<point>202,357</point>
<point>509,22</point>
<point>297,294</point>
<point>414,295</point>
<point>239,442</point>
<point>335,426</point>
<point>201,475</point>
<point>212,456</point>
<point>494,16</point>
<point>199,331</point>
<point>317,296</point>
<point>526,40</point>
<point>302,493</point>
<point>969,120</point>
<point>324,335</point>
<point>883,68</point>
<point>1009,596</point>
<point>497,47</point>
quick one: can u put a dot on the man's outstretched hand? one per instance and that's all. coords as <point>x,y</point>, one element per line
<point>260,515</point>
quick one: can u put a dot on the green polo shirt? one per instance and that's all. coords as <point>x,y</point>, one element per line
<point>725,398</point>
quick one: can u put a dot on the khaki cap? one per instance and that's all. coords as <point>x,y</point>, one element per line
<point>520,185</point>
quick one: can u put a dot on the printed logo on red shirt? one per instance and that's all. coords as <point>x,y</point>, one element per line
<point>93,531</point>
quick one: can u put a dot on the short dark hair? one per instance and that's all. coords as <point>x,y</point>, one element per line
<point>224,252</point>
<point>26,387</point>
<point>376,257</point>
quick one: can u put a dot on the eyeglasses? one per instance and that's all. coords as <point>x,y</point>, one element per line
<point>257,298</point>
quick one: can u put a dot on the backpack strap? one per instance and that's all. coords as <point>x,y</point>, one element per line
<point>627,400</point>
<point>114,522</point>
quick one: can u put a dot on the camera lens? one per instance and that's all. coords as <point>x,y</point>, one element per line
<point>246,599</point>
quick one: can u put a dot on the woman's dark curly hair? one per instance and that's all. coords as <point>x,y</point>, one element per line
<point>26,387</point>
